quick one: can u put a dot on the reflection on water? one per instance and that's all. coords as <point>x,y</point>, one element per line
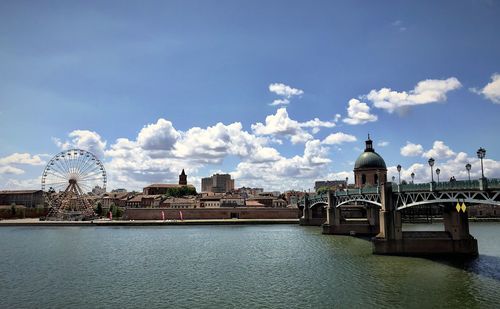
<point>281,266</point>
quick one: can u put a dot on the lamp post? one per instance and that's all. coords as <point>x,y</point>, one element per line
<point>431,164</point>
<point>412,177</point>
<point>481,153</point>
<point>399,173</point>
<point>467,167</point>
<point>438,171</point>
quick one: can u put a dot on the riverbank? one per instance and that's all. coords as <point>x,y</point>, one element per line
<point>104,222</point>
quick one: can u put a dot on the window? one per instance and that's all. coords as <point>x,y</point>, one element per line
<point>363,179</point>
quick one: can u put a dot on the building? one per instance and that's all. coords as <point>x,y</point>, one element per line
<point>162,188</point>
<point>218,183</point>
<point>292,197</point>
<point>232,200</point>
<point>183,178</point>
<point>210,201</point>
<point>28,198</point>
<point>247,192</point>
<point>330,184</point>
<point>370,168</point>
<point>179,202</point>
<point>114,198</point>
<point>267,201</point>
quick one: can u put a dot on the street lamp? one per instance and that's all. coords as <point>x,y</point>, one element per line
<point>431,164</point>
<point>467,167</point>
<point>438,171</point>
<point>481,153</point>
<point>399,172</point>
<point>412,177</point>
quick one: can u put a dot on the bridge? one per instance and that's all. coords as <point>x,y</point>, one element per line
<point>381,214</point>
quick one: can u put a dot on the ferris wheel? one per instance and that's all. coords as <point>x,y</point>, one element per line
<point>74,170</point>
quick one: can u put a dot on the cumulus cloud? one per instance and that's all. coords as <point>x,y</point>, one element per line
<point>383,144</point>
<point>216,142</point>
<point>11,170</point>
<point>339,138</point>
<point>22,158</point>
<point>492,90</point>
<point>83,139</point>
<point>425,92</point>
<point>286,173</point>
<point>285,90</point>
<point>411,150</point>
<point>158,136</point>
<point>280,102</point>
<point>280,124</point>
<point>358,113</point>
<point>439,150</point>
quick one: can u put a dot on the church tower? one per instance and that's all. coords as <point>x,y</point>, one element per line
<point>183,178</point>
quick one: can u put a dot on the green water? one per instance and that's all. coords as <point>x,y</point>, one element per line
<point>272,266</point>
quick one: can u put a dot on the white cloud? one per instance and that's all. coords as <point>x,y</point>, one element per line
<point>280,102</point>
<point>411,150</point>
<point>10,170</point>
<point>425,92</point>
<point>399,25</point>
<point>383,144</point>
<point>286,173</point>
<point>439,150</point>
<point>214,143</point>
<point>339,138</point>
<point>22,158</point>
<point>83,139</point>
<point>316,123</point>
<point>158,136</point>
<point>359,113</point>
<point>285,90</point>
<point>281,124</point>
<point>492,90</point>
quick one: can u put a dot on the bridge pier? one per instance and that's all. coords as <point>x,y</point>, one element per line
<point>337,225</point>
<point>455,240</point>
<point>312,215</point>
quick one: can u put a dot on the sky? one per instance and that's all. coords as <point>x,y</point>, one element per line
<point>277,93</point>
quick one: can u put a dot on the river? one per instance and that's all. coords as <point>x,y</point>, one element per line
<point>244,266</point>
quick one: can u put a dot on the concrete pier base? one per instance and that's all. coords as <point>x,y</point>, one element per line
<point>312,221</point>
<point>360,228</point>
<point>425,244</point>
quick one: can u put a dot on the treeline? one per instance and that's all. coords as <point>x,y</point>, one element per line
<point>180,191</point>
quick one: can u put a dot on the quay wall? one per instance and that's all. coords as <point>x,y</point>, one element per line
<point>211,213</point>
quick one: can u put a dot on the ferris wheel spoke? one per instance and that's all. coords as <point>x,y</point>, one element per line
<point>91,174</point>
<point>93,165</point>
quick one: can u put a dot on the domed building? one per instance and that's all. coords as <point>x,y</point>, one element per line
<point>370,168</point>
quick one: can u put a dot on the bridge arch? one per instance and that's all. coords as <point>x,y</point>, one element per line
<point>359,200</point>
<point>440,201</point>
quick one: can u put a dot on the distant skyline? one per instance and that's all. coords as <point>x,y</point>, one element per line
<point>277,93</point>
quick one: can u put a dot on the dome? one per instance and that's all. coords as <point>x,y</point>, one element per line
<point>370,159</point>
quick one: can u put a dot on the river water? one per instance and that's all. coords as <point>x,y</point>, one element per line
<point>247,266</point>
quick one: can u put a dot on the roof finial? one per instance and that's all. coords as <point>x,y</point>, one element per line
<point>368,135</point>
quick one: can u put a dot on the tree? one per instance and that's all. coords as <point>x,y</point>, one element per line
<point>99,209</point>
<point>180,191</point>
<point>323,190</point>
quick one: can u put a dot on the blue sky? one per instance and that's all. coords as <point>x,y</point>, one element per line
<point>94,74</point>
